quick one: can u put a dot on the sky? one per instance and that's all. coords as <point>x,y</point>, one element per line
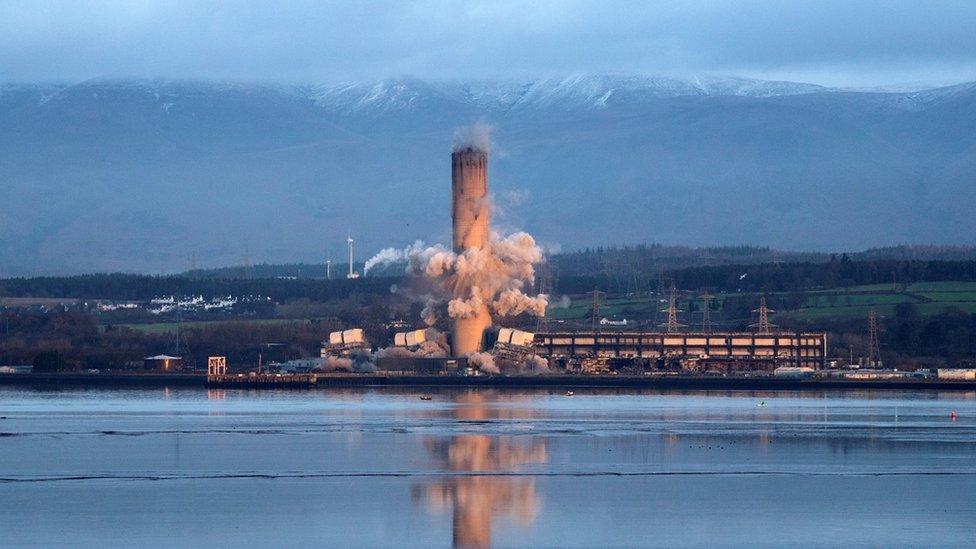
<point>837,43</point>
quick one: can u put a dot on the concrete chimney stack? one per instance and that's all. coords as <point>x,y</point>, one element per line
<point>470,215</point>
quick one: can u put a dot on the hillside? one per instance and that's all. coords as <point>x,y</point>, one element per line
<point>116,175</point>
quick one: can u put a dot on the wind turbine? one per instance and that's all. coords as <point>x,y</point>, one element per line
<point>352,274</point>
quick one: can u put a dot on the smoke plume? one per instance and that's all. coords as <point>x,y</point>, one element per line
<point>388,256</point>
<point>476,136</point>
<point>435,346</point>
<point>484,362</point>
<point>337,364</point>
<point>495,276</point>
<point>360,361</point>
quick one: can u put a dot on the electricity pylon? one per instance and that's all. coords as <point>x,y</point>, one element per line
<point>672,325</point>
<point>706,317</point>
<point>874,347</point>
<point>763,326</point>
<point>596,309</point>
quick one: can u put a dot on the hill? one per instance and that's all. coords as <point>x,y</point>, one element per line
<point>119,175</point>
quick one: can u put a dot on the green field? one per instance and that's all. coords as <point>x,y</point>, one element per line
<point>163,327</point>
<point>857,301</point>
<point>929,298</point>
<point>613,307</point>
<point>943,287</point>
<point>854,302</point>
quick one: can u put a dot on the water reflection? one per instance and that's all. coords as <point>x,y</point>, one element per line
<point>476,497</point>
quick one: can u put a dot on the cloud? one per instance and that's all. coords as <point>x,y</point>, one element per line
<point>858,42</point>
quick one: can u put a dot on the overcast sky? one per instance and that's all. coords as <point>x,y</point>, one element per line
<point>841,43</point>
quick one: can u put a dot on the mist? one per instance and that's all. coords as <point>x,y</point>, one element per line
<point>837,43</point>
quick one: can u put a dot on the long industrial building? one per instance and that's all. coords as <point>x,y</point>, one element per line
<point>782,348</point>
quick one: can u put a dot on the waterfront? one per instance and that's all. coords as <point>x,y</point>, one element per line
<point>381,467</point>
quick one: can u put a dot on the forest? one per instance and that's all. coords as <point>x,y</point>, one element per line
<point>925,318</point>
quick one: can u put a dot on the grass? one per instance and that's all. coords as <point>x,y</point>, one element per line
<point>580,308</point>
<point>940,306</point>
<point>943,287</point>
<point>163,327</point>
<point>948,296</point>
<point>929,299</point>
<point>816,313</point>
<point>856,302</point>
<point>887,287</point>
<point>853,299</point>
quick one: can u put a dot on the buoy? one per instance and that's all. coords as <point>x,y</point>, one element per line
<point>953,416</point>
<point>763,403</point>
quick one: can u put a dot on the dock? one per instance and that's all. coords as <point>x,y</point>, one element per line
<point>560,381</point>
<point>254,380</point>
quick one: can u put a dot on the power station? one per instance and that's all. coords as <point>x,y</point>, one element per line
<point>468,277</point>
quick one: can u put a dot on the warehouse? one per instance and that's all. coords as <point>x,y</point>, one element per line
<point>774,349</point>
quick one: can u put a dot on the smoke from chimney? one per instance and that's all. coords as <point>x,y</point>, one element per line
<point>483,274</point>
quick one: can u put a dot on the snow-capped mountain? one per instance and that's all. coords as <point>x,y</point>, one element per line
<point>588,91</point>
<point>117,174</point>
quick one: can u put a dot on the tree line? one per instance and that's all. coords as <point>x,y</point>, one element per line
<point>838,272</point>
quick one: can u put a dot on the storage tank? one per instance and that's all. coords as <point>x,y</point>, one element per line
<point>409,339</point>
<point>515,337</point>
<point>346,337</point>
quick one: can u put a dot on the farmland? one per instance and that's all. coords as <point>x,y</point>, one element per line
<point>928,298</point>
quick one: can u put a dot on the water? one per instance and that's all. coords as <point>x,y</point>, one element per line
<point>373,468</point>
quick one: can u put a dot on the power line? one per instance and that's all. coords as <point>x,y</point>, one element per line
<point>874,347</point>
<point>544,286</point>
<point>764,327</point>
<point>595,308</point>
<point>672,325</point>
<point>706,317</point>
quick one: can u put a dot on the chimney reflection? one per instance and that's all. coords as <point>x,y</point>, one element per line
<point>476,497</point>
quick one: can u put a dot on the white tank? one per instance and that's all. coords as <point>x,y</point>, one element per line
<point>409,339</point>
<point>515,337</point>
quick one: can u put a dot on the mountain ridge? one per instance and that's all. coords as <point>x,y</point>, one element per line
<point>121,174</point>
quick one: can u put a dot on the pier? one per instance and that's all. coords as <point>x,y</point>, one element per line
<point>275,381</point>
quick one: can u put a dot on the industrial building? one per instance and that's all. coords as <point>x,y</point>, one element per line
<point>162,363</point>
<point>725,352</point>
<point>421,365</point>
<point>343,343</point>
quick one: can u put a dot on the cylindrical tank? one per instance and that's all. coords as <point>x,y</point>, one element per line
<point>470,215</point>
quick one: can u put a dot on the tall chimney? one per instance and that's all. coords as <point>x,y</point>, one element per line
<point>470,215</point>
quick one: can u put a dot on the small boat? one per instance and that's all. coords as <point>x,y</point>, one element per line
<point>426,398</point>
<point>570,393</point>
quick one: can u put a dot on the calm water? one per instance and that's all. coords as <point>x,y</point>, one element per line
<point>375,468</point>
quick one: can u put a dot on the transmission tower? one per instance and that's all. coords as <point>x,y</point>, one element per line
<point>595,311</point>
<point>180,344</point>
<point>874,347</point>
<point>247,262</point>
<point>672,325</point>
<point>544,285</point>
<point>763,326</point>
<point>706,313</point>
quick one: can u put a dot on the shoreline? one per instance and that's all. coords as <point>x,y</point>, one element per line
<point>135,380</point>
